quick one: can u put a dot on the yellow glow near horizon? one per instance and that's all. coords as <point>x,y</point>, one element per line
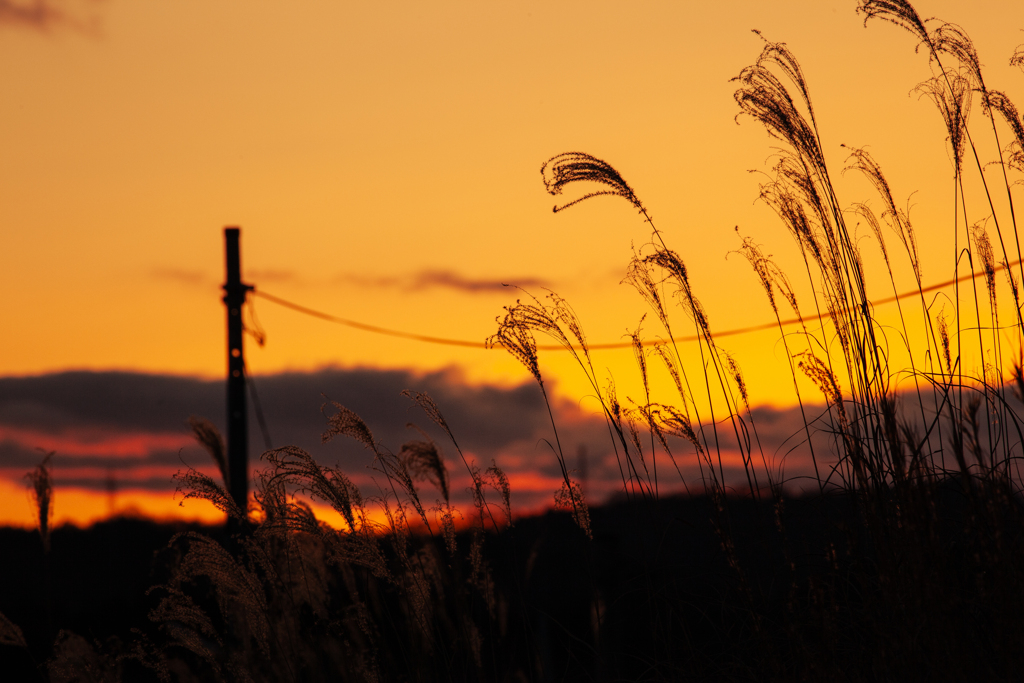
<point>358,146</point>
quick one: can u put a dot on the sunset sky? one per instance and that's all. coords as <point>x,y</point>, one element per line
<point>382,161</point>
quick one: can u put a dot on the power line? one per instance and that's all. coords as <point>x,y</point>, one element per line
<point>363,326</point>
<point>260,419</point>
<point>613,345</point>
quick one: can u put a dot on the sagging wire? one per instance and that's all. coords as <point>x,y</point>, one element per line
<point>620,345</point>
<point>259,335</point>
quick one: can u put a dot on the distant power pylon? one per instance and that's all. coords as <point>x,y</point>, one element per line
<point>238,434</point>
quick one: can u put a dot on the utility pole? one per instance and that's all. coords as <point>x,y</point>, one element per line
<point>238,434</point>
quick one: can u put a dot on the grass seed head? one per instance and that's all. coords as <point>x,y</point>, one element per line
<point>673,370</point>
<point>764,97</point>
<point>41,486</point>
<point>1001,103</point>
<point>446,515</point>
<point>951,93</point>
<point>1018,375</point>
<point>640,277</point>
<point>424,401</point>
<point>199,486</point>
<point>499,481</point>
<point>10,633</point>
<point>640,355</point>
<point>897,218</point>
<point>944,337</point>
<point>1017,58</point>
<point>425,462</point>
<point>518,340</point>
<point>952,40</point>
<point>346,423</point>
<point>899,12</point>
<point>1012,280</point>
<point>737,376</point>
<point>673,421</point>
<point>570,167</point>
<point>210,439</point>
<point>983,246</point>
<point>570,498</point>
<point>294,467</point>
<point>819,373</point>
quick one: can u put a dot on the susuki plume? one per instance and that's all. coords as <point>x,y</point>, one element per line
<point>763,96</point>
<point>952,40</point>
<point>10,633</point>
<point>780,196</point>
<point>196,485</point>
<point>865,212</point>
<point>42,495</point>
<point>673,369</point>
<point>570,498</point>
<point>237,589</point>
<point>771,276</point>
<point>424,401</point>
<point>640,355</point>
<point>944,337</point>
<point>571,167</point>
<point>424,461</point>
<point>517,338</point>
<point>1017,58</point>
<point>1002,104</point>
<point>897,218</point>
<point>346,423</point>
<point>737,376</point>
<point>639,275</point>
<point>557,320</point>
<point>499,481</point>
<point>210,439</point>
<point>983,246</point>
<point>673,421</point>
<point>670,261</point>
<point>951,93</point>
<point>824,379</point>
<point>292,466</point>
<point>899,12</point>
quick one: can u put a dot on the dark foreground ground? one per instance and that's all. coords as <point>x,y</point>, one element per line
<point>674,590</point>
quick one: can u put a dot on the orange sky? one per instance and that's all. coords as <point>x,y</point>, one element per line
<point>359,142</point>
<point>361,145</point>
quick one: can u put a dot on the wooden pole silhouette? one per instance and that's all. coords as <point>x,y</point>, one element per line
<point>238,434</point>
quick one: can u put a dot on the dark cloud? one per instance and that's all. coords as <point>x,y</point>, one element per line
<point>36,13</point>
<point>65,412</point>
<point>421,281</point>
<point>117,401</point>
<point>46,14</point>
<point>133,426</point>
<point>428,279</point>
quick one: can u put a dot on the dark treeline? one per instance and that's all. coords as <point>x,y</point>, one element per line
<point>677,589</point>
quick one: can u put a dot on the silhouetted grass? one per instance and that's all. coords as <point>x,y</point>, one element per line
<point>906,564</point>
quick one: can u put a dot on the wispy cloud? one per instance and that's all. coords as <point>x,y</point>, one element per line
<point>43,15</point>
<point>416,282</point>
<point>194,277</point>
<point>427,279</point>
<point>271,275</point>
<point>184,276</point>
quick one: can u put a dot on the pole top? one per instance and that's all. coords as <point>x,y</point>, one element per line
<point>234,288</point>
